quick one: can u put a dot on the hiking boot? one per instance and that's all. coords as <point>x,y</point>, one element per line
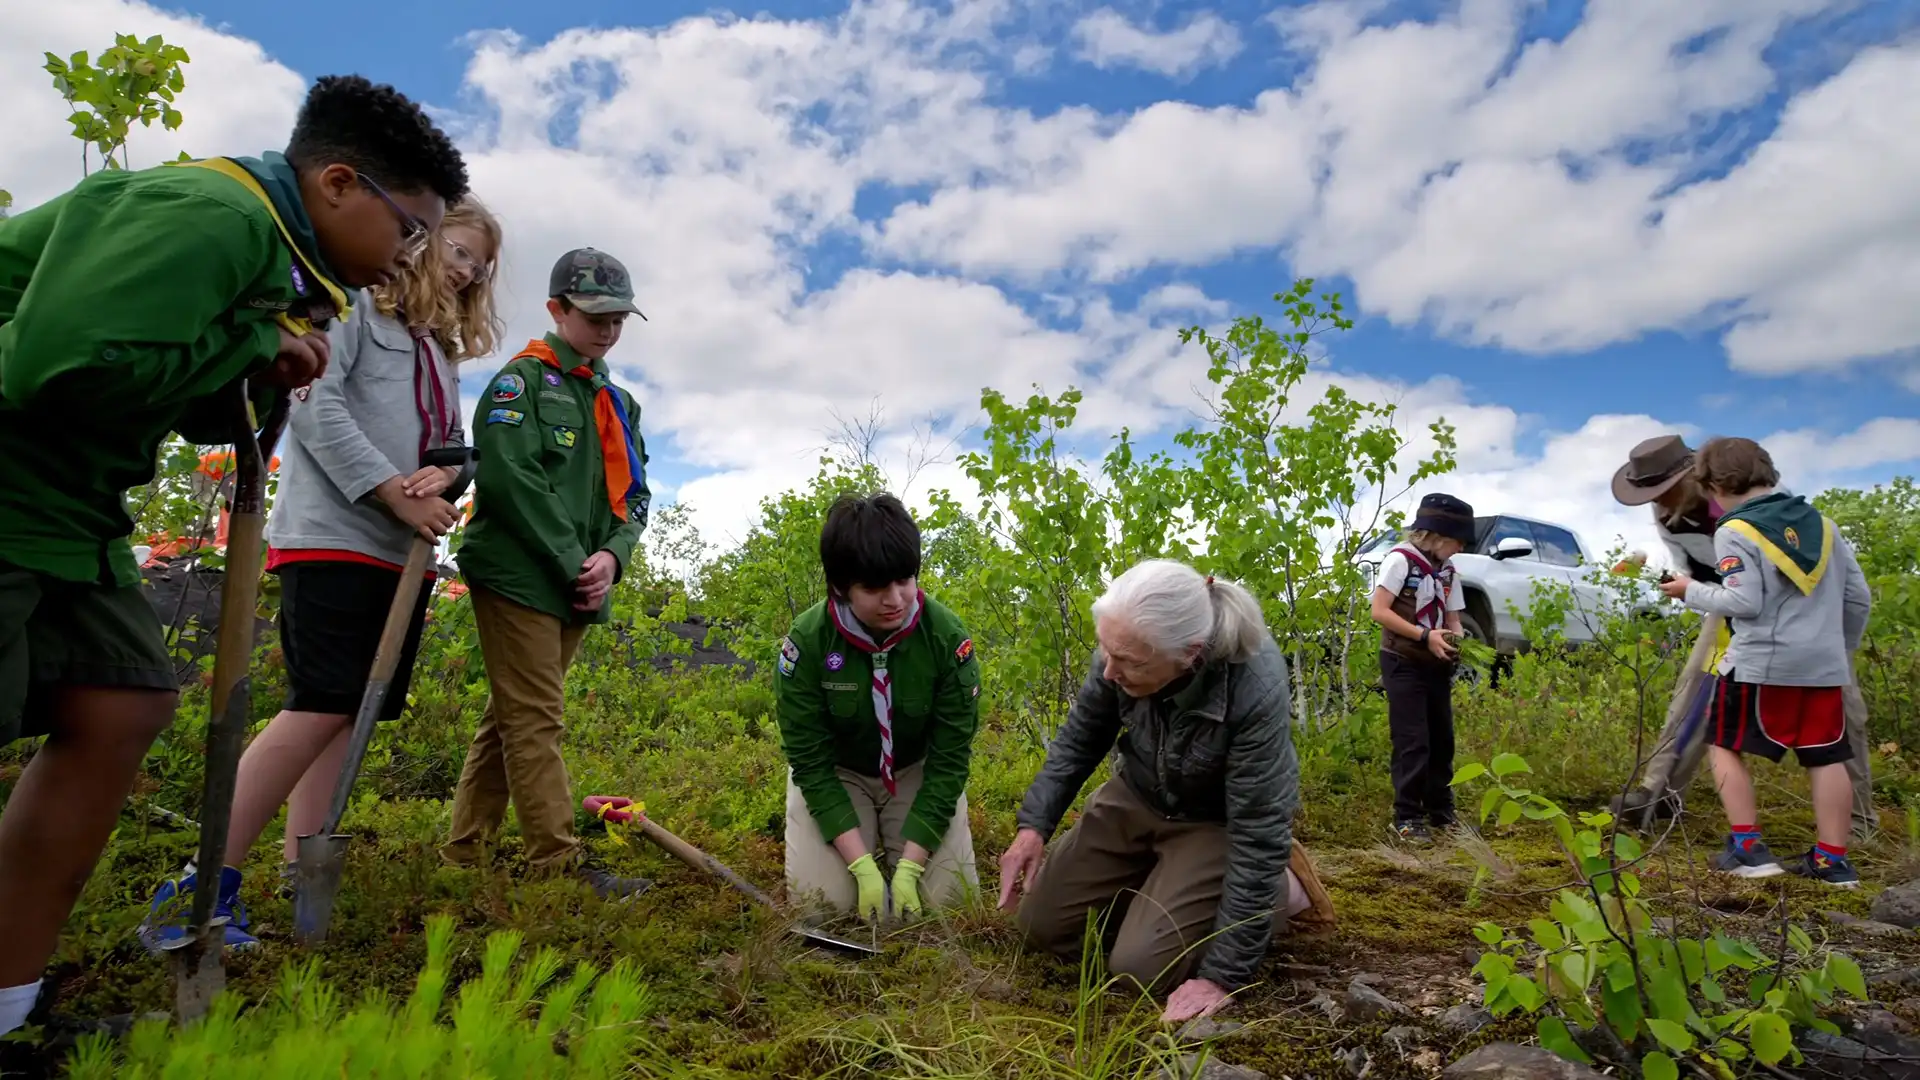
<point>1749,862</point>
<point>1415,833</point>
<point>1826,869</point>
<point>165,926</point>
<point>611,886</point>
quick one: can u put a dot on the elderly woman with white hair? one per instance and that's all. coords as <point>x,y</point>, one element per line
<point>1187,849</point>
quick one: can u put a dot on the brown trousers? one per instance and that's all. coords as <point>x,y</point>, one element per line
<point>816,874</point>
<point>515,755</point>
<point>1682,745</point>
<point>1157,883</point>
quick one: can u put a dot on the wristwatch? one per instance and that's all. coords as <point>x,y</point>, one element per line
<point>1424,631</point>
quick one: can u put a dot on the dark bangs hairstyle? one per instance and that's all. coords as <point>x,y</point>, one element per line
<point>868,540</point>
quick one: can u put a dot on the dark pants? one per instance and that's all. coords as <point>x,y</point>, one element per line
<point>1420,720</point>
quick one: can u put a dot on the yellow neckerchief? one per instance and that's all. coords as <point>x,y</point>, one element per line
<point>245,179</point>
<point>1805,580</point>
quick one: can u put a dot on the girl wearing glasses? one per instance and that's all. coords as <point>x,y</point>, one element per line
<point>352,496</point>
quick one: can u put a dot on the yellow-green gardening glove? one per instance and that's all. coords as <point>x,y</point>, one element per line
<point>873,887</point>
<point>906,889</point>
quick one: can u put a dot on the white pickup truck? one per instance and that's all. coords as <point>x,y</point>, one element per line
<point>1498,571</point>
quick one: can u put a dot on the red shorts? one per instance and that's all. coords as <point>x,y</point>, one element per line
<point>1755,718</point>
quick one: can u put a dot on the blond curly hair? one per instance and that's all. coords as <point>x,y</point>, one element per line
<point>466,324</point>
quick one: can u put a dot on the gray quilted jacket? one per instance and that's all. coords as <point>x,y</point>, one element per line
<point>1223,752</point>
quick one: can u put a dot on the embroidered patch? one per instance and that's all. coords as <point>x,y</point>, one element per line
<point>965,651</point>
<point>299,279</point>
<point>508,386</point>
<point>1731,565</point>
<point>976,690</point>
<point>835,661</point>
<point>564,437</point>
<point>506,416</point>
<point>1731,582</point>
<point>553,378</point>
<point>1793,538</point>
<point>789,656</point>
<point>842,686</point>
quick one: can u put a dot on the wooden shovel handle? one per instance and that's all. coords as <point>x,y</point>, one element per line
<point>700,860</point>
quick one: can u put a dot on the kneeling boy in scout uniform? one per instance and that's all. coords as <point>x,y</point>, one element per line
<point>559,500</point>
<point>127,306</point>
<point>878,698</point>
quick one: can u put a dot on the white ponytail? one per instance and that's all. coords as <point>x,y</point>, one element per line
<point>1177,608</point>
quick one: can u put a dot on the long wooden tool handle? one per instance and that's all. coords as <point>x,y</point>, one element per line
<point>700,860</point>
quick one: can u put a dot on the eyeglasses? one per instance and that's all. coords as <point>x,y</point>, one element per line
<point>413,232</point>
<point>463,257</point>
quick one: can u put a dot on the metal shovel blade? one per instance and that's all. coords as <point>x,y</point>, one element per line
<point>830,942</point>
<point>316,882</point>
<point>199,975</point>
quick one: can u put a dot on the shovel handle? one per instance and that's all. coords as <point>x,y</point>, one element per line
<point>386,660</point>
<point>700,860</point>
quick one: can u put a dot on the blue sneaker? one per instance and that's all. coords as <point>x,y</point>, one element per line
<point>1754,861</point>
<point>165,926</point>
<point>1824,868</point>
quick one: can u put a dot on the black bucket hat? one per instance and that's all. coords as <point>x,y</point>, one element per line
<point>1444,515</point>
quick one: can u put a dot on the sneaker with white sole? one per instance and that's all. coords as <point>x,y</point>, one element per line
<point>1824,868</point>
<point>165,926</point>
<point>1753,861</point>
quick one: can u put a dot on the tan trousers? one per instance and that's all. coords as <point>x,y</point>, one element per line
<point>515,755</point>
<point>1157,884</point>
<point>817,875</point>
<point>1682,746</point>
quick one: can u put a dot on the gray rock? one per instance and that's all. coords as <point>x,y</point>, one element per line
<point>1366,1005</point>
<point>1206,1028</point>
<point>1357,1062</point>
<point>1368,978</point>
<point>1191,1067</point>
<point>1867,926</point>
<point>1845,1057</point>
<point>1403,1038</point>
<point>1327,1007</point>
<point>1464,1019</point>
<point>1507,1061</point>
<point>1899,905</point>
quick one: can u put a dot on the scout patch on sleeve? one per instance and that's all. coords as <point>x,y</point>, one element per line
<point>564,437</point>
<point>508,386</point>
<point>965,651</point>
<point>1731,565</point>
<point>506,416</point>
<point>553,378</point>
<point>789,656</point>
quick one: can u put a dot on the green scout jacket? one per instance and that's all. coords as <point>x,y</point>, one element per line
<point>827,719</point>
<point>124,304</point>
<point>540,495</point>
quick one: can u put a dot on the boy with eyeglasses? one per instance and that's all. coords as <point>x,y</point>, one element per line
<point>128,307</point>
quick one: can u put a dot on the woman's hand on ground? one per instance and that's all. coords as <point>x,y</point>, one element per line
<point>1194,998</point>
<point>1019,865</point>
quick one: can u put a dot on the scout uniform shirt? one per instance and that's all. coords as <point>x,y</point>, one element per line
<point>825,701</point>
<point>124,304</point>
<point>540,505</point>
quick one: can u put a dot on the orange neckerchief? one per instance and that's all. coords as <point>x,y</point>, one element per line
<point>610,420</point>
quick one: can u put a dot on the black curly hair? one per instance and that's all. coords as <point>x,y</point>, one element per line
<point>379,132</point>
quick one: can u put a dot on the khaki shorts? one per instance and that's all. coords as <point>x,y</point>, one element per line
<point>60,633</point>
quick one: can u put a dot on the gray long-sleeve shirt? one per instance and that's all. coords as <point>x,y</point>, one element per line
<point>360,426</point>
<point>1782,636</point>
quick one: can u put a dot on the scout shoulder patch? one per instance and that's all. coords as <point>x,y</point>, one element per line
<point>506,416</point>
<point>835,661</point>
<point>789,656</point>
<point>1792,536</point>
<point>564,437</point>
<point>508,386</point>
<point>965,651</point>
<point>552,377</point>
<point>1731,565</point>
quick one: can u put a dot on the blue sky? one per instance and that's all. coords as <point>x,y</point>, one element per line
<point>990,169</point>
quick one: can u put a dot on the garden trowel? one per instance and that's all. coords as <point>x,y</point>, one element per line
<point>197,957</point>
<point>322,856</point>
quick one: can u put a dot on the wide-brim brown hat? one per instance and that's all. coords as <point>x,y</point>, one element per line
<point>1652,469</point>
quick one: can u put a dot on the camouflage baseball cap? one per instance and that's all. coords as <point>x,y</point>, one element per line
<point>593,281</point>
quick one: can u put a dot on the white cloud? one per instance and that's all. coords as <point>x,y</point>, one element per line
<point>712,153</point>
<point>1106,39</point>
